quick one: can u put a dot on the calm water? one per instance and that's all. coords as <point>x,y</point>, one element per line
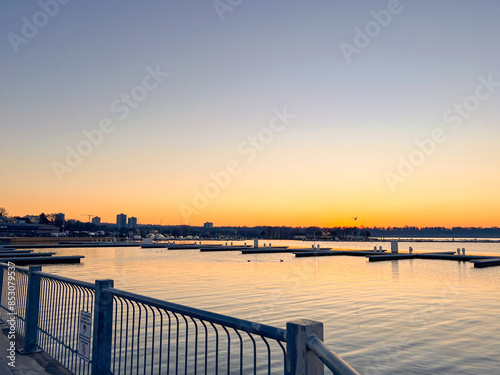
<point>406,317</point>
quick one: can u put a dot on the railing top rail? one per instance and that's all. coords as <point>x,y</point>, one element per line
<point>331,359</point>
<point>18,268</point>
<point>67,280</point>
<point>224,320</point>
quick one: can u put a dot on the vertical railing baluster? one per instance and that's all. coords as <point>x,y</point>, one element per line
<point>228,350</point>
<point>241,350</point>
<point>126,341</point>
<point>139,339</point>
<point>132,338</point>
<point>195,371</point>
<point>168,342</point>
<point>145,338</point>
<point>57,320</point>
<point>206,347</point>
<point>254,353</point>
<point>268,355</point>
<point>161,341</point>
<point>153,340</point>
<point>186,350</point>
<point>115,304</point>
<point>176,345</point>
<point>216,348</point>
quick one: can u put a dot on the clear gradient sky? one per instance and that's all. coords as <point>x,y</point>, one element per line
<point>230,70</point>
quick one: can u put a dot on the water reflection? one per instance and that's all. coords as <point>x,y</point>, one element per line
<point>348,294</point>
<point>395,271</point>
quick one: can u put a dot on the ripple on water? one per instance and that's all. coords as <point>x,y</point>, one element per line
<point>406,317</point>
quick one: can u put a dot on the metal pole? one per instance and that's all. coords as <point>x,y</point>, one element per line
<point>103,327</point>
<point>32,309</point>
<point>300,360</point>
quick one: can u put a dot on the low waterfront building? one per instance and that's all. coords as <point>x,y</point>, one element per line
<point>21,229</point>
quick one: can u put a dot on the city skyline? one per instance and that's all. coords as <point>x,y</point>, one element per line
<point>299,114</point>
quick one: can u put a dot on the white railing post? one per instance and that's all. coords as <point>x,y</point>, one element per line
<point>299,359</point>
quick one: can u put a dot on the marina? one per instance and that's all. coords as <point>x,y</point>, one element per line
<point>364,305</point>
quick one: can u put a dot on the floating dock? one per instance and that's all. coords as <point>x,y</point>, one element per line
<point>435,256</point>
<point>320,253</point>
<point>73,245</point>
<point>275,250</point>
<point>4,251</point>
<point>154,246</point>
<point>380,255</point>
<point>223,248</point>
<point>182,246</point>
<point>43,260</point>
<point>195,246</point>
<point>483,263</point>
<point>24,255</point>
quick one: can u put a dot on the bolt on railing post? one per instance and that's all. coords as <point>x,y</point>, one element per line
<point>103,327</point>
<point>32,309</point>
<point>299,359</point>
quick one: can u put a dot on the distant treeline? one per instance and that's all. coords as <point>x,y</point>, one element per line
<point>470,232</point>
<point>317,232</point>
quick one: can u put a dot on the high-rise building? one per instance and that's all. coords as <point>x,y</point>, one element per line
<point>121,221</point>
<point>96,220</point>
<point>208,225</point>
<point>132,223</point>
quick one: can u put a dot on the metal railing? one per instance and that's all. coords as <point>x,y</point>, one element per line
<point>61,301</point>
<point>13,291</point>
<point>154,336</point>
<point>134,334</point>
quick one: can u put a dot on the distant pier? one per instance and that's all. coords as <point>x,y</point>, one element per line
<point>380,255</point>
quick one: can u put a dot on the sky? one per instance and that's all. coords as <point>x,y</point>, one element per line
<point>252,112</point>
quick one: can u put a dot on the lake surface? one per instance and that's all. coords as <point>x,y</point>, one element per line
<point>401,317</point>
